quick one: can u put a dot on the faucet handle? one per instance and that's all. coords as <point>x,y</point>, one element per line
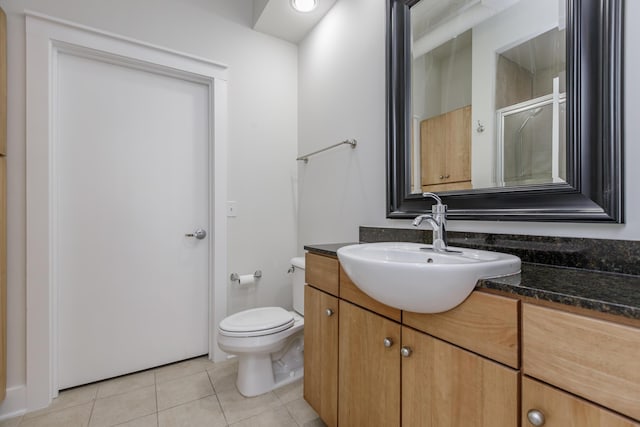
<point>434,196</point>
<point>438,208</point>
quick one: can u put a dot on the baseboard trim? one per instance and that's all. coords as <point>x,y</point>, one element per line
<point>15,403</point>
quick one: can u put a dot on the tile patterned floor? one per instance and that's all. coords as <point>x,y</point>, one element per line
<point>193,393</point>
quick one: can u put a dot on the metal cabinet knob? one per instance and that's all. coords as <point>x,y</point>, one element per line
<point>447,176</point>
<point>388,342</point>
<point>406,351</point>
<point>535,417</point>
<point>441,176</point>
<point>329,312</point>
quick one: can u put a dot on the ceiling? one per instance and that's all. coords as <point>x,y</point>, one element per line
<point>279,19</point>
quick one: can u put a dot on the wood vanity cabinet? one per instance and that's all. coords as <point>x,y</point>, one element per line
<point>445,147</point>
<point>392,375</point>
<point>561,409</point>
<point>596,360</point>
<point>369,369</point>
<point>444,385</point>
<point>461,369</point>
<point>489,362</point>
<point>321,317</point>
<point>441,384</point>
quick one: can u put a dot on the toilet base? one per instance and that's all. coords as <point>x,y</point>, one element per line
<point>260,373</point>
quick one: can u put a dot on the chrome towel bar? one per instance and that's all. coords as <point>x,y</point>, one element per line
<point>351,142</point>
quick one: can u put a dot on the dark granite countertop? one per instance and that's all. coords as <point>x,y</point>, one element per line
<point>612,293</point>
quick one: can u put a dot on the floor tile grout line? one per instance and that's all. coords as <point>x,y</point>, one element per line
<point>123,392</point>
<point>184,403</point>
<point>215,392</point>
<point>155,384</point>
<point>50,411</point>
<point>93,406</point>
<point>136,418</point>
<point>189,401</point>
<point>209,369</point>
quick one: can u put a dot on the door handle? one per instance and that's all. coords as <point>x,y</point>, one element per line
<point>198,234</point>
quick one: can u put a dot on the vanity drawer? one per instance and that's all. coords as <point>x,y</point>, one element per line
<point>322,273</point>
<point>350,292</point>
<point>561,409</point>
<point>595,359</point>
<point>484,323</point>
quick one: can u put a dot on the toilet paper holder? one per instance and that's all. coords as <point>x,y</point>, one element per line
<point>235,277</point>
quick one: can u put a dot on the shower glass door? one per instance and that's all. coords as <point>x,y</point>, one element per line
<point>532,142</point>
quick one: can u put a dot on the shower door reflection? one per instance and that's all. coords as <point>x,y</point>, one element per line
<point>532,142</point>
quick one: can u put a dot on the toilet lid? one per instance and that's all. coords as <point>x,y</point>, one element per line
<point>257,321</point>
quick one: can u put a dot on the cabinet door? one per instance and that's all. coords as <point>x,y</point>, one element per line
<point>445,147</point>
<point>595,359</point>
<point>432,150</point>
<point>445,386</point>
<point>560,409</point>
<point>369,384</point>
<point>458,146</point>
<point>321,313</point>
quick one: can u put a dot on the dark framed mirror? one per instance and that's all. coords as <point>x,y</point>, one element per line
<point>586,184</point>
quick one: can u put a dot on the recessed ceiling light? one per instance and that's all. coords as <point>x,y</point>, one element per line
<point>304,5</point>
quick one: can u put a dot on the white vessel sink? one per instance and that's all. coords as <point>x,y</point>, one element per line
<point>412,277</point>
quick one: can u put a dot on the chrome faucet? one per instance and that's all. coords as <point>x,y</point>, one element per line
<point>438,221</point>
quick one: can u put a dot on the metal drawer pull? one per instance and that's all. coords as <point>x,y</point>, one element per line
<point>406,351</point>
<point>535,417</point>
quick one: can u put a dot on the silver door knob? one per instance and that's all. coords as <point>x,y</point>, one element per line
<point>388,342</point>
<point>405,351</point>
<point>329,312</point>
<point>535,417</point>
<point>198,234</point>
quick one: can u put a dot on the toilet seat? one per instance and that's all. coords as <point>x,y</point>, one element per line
<point>256,322</point>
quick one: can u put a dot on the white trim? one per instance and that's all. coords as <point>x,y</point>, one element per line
<point>197,61</point>
<point>218,241</point>
<point>14,403</point>
<point>45,39</point>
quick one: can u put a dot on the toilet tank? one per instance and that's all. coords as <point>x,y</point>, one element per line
<point>298,284</point>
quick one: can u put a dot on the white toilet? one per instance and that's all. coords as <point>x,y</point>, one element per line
<point>268,341</point>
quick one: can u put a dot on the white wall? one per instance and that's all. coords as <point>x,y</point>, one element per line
<point>455,80</point>
<point>503,31</point>
<point>341,95</point>
<point>262,132</point>
<point>443,83</point>
<point>341,90</point>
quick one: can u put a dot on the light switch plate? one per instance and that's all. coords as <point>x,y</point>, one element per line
<point>232,209</point>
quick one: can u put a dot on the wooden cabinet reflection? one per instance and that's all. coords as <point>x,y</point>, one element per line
<point>445,150</point>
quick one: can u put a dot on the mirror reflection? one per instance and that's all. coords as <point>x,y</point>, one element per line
<point>488,94</point>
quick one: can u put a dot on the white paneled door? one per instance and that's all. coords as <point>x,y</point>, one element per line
<point>131,171</point>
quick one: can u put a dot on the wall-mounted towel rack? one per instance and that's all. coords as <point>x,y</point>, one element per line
<point>351,142</point>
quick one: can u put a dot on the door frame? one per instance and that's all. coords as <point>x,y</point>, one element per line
<point>46,38</point>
